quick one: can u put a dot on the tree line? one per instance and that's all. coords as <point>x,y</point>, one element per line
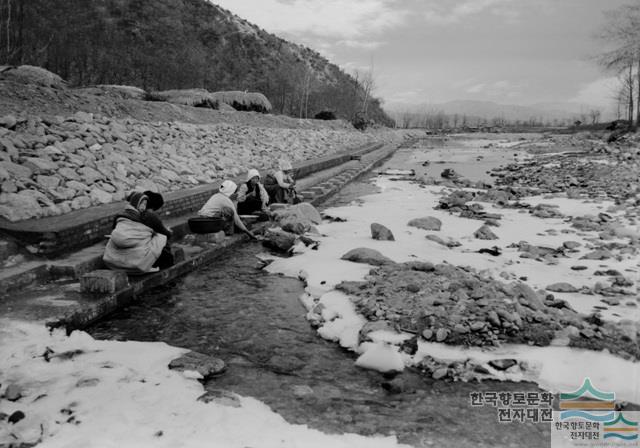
<point>439,120</point>
<point>177,44</point>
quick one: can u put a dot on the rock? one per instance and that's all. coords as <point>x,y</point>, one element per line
<point>279,240</point>
<point>380,232</point>
<point>440,373</point>
<point>449,173</point>
<point>502,364</point>
<point>422,266</point>
<point>587,333</point>
<point>48,182</point>
<point>366,255</point>
<point>579,268</point>
<point>207,366</point>
<point>394,386</point>
<point>301,390</point>
<point>412,287</point>
<point>83,117</point>
<point>80,202</point>
<point>100,196</point>
<point>90,175</point>
<point>426,223</point>
<point>441,334</point>
<point>427,334</point>
<point>293,225</point>
<point>562,287</point>
<point>77,186</point>
<point>221,397</point>
<point>485,233</point>
<point>73,145</point>
<point>13,393</point>
<point>15,170</point>
<point>40,165</point>
<point>302,211</point>
<point>17,207</point>
<point>494,251</point>
<point>8,187</point>
<point>599,254</point>
<point>436,239</point>
<point>16,417</point>
<point>8,121</point>
<point>531,298</point>
<point>493,319</point>
<point>622,281</point>
<point>285,364</point>
<point>571,245</point>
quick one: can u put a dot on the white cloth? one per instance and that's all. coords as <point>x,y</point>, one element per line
<point>133,246</point>
<point>252,173</point>
<point>216,205</point>
<point>228,187</point>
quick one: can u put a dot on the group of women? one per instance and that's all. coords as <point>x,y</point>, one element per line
<point>139,242</point>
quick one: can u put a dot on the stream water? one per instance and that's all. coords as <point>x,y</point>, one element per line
<point>254,321</point>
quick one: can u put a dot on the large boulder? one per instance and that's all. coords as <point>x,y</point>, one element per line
<point>302,211</point>
<point>426,223</point>
<point>366,255</point>
<point>380,232</point>
<point>297,218</point>
<point>279,239</point>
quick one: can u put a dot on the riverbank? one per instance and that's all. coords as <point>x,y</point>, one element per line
<point>477,266</point>
<point>378,333</point>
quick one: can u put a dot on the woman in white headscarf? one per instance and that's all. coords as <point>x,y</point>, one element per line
<point>251,195</point>
<point>221,205</point>
<point>280,184</point>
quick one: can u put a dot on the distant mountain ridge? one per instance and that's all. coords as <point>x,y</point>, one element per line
<point>488,110</point>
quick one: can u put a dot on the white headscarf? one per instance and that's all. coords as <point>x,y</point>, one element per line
<point>252,173</point>
<point>284,165</point>
<point>228,187</point>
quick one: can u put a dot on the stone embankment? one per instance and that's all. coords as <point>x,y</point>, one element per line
<point>52,166</point>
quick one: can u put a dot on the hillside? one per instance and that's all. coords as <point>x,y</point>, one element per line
<point>175,44</point>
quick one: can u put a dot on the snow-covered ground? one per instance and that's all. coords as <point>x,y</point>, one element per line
<point>121,394</point>
<point>555,368</point>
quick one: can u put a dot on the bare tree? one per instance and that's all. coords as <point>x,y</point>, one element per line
<point>622,32</point>
<point>594,114</point>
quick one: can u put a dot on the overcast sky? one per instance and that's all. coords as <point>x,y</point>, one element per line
<point>428,51</point>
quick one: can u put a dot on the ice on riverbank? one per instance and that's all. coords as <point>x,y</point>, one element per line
<point>398,202</point>
<point>94,393</point>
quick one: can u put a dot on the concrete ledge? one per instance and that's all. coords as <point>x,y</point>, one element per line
<point>88,308</point>
<point>57,235</point>
<point>88,313</point>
